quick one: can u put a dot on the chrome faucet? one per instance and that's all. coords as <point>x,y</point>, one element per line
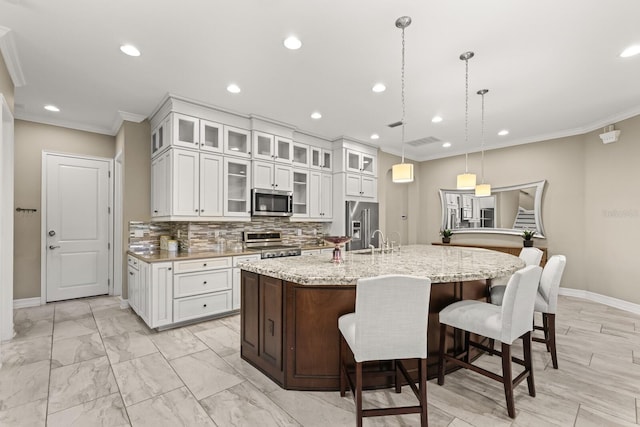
<point>381,242</point>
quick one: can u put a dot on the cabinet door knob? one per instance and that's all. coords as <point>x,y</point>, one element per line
<point>204,305</point>
<point>131,273</point>
<point>169,269</point>
<point>204,283</point>
<point>155,211</point>
<point>196,210</point>
<point>201,210</point>
<point>204,265</point>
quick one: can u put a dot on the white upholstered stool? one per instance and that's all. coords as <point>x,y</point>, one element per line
<point>506,323</point>
<point>530,256</point>
<point>547,303</point>
<point>390,323</point>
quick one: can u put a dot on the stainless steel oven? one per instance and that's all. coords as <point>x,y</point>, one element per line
<point>271,202</point>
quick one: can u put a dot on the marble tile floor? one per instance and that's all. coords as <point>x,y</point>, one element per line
<point>89,363</point>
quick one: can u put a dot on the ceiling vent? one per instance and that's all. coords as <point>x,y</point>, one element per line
<point>424,141</point>
<point>395,124</point>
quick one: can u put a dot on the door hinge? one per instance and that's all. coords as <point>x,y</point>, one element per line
<point>108,209</point>
<point>109,174</point>
<point>109,246</point>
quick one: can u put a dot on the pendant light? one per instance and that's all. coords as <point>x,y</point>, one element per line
<point>466,181</point>
<point>402,172</point>
<point>482,189</point>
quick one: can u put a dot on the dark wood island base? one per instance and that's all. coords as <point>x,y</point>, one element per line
<point>290,331</point>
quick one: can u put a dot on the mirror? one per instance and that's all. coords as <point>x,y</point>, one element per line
<point>509,210</point>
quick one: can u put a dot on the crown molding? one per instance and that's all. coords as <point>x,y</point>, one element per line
<point>10,55</point>
<point>125,116</point>
<point>62,123</point>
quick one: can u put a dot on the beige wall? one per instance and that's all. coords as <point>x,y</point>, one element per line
<point>6,85</point>
<point>133,139</point>
<point>590,207</point>
<point>31,139</point>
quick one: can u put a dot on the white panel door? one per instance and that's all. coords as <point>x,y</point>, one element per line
<point>326,196</point>
<point>263,175</point>
<point>283,177</point>
<point>77,227</point>
<point>185,182</point>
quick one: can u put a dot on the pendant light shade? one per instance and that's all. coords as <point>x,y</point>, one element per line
<point>402,172</point>
<point>466,181</point>
<point>483,190</point>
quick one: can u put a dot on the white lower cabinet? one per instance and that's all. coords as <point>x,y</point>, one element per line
<point>167,293</point>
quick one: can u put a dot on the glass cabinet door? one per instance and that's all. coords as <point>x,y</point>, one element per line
<point>263,146</point>
<point>210,136</point>
<point>186,131</point>
<point>353,161</point>
<point>236,194</point>
<point>300,193</point>
<point>326,159</point>
<point>300,154</point>
<point>368,164</point>
<point>283,151</point>
<point>237,142</point>
<point>316,157</point>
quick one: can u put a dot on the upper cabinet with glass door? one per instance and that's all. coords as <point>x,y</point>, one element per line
<point>271,147</point>
<point>191,132</point>
<point>321,158</point>
<point>300,155</point>
<point>237,142</point>
<point>161,137</point>
<point>360,162</point>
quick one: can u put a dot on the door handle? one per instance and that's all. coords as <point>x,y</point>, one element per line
<point>52,233</point>
<point>53,247</point>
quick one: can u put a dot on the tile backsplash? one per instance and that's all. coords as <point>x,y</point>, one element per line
<point>203,236</point>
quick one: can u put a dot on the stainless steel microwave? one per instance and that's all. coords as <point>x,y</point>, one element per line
<point>271,202</point>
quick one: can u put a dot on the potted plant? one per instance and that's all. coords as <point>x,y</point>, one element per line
<point>446,235</point>
<point>527,235</point>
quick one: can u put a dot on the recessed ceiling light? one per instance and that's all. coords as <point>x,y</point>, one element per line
<point>378,87</point>
<point>292,43</point>
<point>436,119</point>
<point>315,115</point>
<point>129,50</point>
<point>446,145</point>
<point>503,132</point>
<point>375,136</point>
<point>233,88</point>
<point>51,108</point>
<point>630,51</point>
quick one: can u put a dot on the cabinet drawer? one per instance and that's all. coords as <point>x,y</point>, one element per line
<point>201,265</point>
<point>201,283</point>
<point>200,306</point>
<point>243,258</point>
<point>133,261</point>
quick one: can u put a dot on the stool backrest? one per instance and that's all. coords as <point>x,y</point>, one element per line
<point>550,281</point>
<point>392,312</point>
<point>531,256</point>
<point>518,303</point>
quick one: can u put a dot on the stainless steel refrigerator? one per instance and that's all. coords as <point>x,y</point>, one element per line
<point>361,222</point>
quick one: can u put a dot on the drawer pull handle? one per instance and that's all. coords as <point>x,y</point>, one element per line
<point>204,265</point>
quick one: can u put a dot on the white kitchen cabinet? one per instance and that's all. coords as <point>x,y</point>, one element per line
<point>211,136</point>
<point>237,142</point>
<point>272,176</point>
<point>361,186</point>
<point>211,184</point>
<point>160,137</point>
<point>186,131</point>
<point>320,195</point>
<point>301,193</point>
<point>236,191</point>
<point>150,291</point>
<point>321,159</point>
<point>360,162</point>
<point>300,155</point>
<point>272,147</point>
<point>161,185</point>
<point>185,180</point>
<point>237,277</point>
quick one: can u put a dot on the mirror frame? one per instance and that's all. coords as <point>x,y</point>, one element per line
<point>537,208</point>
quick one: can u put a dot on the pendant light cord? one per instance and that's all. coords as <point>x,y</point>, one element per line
<point>482,142</point>
<point>402,80</point>
<point>466,116</point>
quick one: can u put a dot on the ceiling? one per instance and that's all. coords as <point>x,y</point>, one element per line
<point>552,67</point>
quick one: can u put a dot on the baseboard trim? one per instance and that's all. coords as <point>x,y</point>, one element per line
<point>602,299</point>
<point>26,302</point>
<point>124,303</point>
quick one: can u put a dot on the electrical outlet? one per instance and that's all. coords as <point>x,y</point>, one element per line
<point>216,233</point>
<point>138,233</point>
<point>299,232</point>
<point>179,234</point>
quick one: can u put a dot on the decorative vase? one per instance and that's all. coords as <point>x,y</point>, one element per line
<point>446,239</point>
<point>527,243</point>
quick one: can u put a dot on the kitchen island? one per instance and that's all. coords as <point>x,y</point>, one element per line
<point>290,306</point>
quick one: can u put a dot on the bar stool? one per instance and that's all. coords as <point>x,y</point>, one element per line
<point>389,323</point>
<point>547,303</point>
<point>530,256</point>
<point>506,323</point>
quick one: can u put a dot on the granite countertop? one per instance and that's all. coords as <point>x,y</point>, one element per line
<point>163,256</point>
<point>441,264</point>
